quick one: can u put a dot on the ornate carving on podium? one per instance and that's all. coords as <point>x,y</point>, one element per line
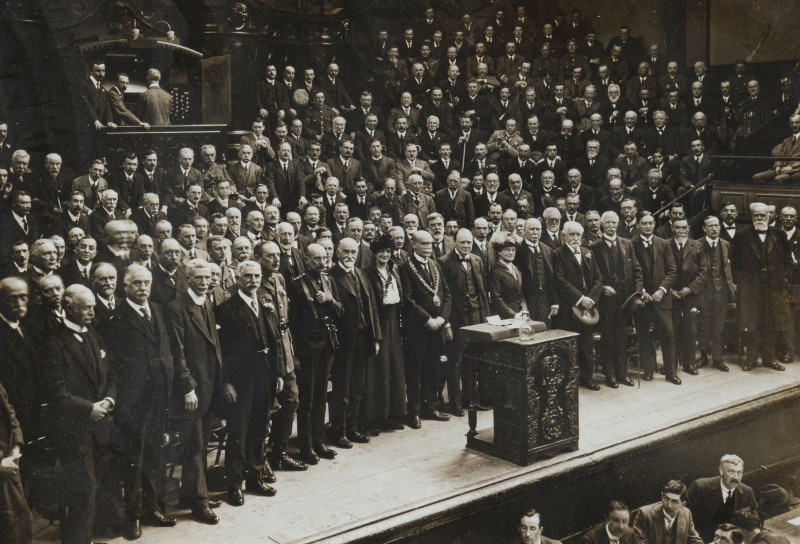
<point>535,389</point>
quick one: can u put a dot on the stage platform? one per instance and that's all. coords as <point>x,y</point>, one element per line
<point>426,486</point>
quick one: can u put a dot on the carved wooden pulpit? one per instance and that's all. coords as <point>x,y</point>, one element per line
<point>535,391</point>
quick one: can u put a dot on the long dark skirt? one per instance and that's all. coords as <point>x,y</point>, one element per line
<point>385,394</point>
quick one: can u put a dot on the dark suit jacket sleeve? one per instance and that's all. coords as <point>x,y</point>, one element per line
<point>122,112</point>
<point>174,314</point>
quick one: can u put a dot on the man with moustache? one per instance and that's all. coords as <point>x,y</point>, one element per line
<point>427,305</point>
<point>713,500</point>
<point>198,360</point>
<point>658,275</point>
<point>578,282</point>
<point>761,262</point>
<point>535,263</point>
<point>313,311</point>
<point>465,276</point>
<point>81,388</point>
<point>692,270</point>
<point>359,334</point>
<point>137,340</point>
<point>272,294</point>
<point>248,338</point>
<point>622,276</point>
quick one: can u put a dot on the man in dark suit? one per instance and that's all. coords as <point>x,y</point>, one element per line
<point>377,167</point>
<point>427,305</point>
<point>658,274</point>
<point>530,528</point>
<point>633,168</point>
<point>695,168</point>
<point>668,520</point>
<point>82,389</point>
<point>148,215</point>
<point>622,276</point>
<point>17,224</point>
<point>168,278</point>
<point>616,526</point>
<point>20,370</point>
<point>312,313</point>
<point>335,94</point>
<point>344,167</point>
<point>128,183</point>
<point>464,139</point>
<point>455,203</point>
<point>104,285</point>
<point>105,213</point>
<point>178,178</point>
<point>245,173</point>
<point>718,291</point>
<point>492,196</point>
<point>687,291</point>
<point>284,179</point>
<point>71,216</point>
<point>197,358</point>
<point>140,353</point>
<point>466,278</point>
<point>249,339</point>
<point>120,112</point>
<point>761,262</point>
<point>713,500</point>
<point>359,333</point>
<point>535,263</point>
<point>359,202</point>
<point>578,281</point>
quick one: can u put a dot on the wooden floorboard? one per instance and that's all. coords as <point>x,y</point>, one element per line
<point>403,470</point>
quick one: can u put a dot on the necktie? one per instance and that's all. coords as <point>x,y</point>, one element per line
<point>146,316</point>
<point>729,496</point>
<point>713,245</point>
<point>254,306</point>
<point>86,274</point>
<point>285,168</point>
<point>111,303</point>
<point>25,224</point>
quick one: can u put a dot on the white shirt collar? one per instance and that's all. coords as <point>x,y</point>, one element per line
<point>138,308</point>
<point>13,324</point>
<point>196,298</point>
<point>74,327</point>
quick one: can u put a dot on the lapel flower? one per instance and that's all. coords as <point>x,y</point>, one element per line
<point>102,354</point>
<point>588,254</point>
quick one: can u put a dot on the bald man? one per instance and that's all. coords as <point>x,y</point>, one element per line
<point>427,306</point>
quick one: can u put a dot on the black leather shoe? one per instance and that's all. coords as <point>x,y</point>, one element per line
<point>203,514</point>
<point>436,415</point>
<point>342,442</point>
<point>214,503</point>
<point>284,462</point>
<point>690,369</point>
<point>308,457</point>
<point>648,376</point>
<point>612,383</point>
<point>481,408</point>
<point>457,411</point>
<point>702,361</point>
<point>748,366</point>
<point>787,358</point>
<point>267,475</point>
<point>627,381</point>
<point>674,379</point>
<point>590,385</point>
<point>260,488</point>
<point>355,436</point>
<point>719,365</point>
<point>774,365</point>
<point>158,519</point>
<point>235,497</point>
<point>132,529</point>
<point>324,452</point>
<point>414,422</point>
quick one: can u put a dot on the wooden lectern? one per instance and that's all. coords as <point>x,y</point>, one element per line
<point>535,390</point>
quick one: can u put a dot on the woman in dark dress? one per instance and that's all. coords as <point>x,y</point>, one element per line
<point>384,401</point>
<point>505,279</point>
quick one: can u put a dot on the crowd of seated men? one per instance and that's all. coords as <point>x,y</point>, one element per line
<point>719,509</point>
<point>350,243</point>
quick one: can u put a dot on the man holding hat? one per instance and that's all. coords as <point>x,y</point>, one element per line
<point>578,282</point>
<point>622,278</point>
